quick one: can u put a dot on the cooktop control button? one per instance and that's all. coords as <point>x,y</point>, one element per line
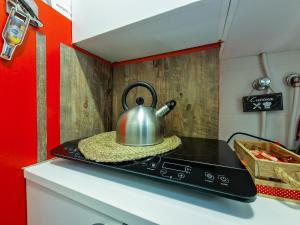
<point>223,179</point>
<point>163,171</point>
<point>153,162</point>
<point>181,175</point>
<point>153,165</point>
<point>209,177</point>
<point>188,169</point>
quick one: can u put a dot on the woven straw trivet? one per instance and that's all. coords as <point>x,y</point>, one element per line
<point>103,148</point>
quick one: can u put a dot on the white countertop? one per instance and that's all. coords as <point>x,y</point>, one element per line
<point>126,197</point>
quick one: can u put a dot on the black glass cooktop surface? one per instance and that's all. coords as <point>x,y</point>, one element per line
<point>208,151</point>
<point>201,164</point>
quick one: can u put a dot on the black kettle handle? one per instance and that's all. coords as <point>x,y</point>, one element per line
<point>139,84</point>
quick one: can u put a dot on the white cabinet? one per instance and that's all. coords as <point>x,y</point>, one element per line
<point>62,192</point>
<point>46,207</point>
<point>257,26</point>
<point>94,17</point>
<point>122,30</point>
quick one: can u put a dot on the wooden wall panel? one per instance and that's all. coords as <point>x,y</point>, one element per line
<point>41,97</point>
<point>192,80</point>
<point>85,95</point>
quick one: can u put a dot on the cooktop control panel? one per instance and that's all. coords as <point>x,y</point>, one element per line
<point>170,170</point>
<point>208,165</point>
<point>194,174</point>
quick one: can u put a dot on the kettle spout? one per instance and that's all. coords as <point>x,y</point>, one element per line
<point>164,110</point>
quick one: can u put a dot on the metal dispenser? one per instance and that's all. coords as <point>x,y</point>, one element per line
<point>21,13</point>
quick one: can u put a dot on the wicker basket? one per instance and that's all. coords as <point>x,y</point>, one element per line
<point>278,180</point>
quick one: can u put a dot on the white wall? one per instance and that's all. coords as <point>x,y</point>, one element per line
<point>62,6</point>
<point>236,77</point>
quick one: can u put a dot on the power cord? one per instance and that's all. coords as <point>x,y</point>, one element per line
<point>251,135</point>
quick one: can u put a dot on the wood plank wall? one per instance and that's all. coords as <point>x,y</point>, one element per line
<point>85,95</point>
<point>191,79</point>
<point>41,76</point>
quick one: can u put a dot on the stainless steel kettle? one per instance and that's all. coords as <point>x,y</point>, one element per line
<point>141,125</point>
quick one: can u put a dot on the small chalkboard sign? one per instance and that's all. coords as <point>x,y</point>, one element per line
<point>266,102</point>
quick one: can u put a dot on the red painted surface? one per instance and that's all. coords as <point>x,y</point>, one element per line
<point>17,125</point>
<point>18,129</point>
<point>169,54</point>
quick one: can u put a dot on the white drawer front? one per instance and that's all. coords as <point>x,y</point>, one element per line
<point>45,207</point>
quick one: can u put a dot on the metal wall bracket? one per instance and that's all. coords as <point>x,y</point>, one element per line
<point>293,79</point>
<point>261,83</point>
<point>27,7</point>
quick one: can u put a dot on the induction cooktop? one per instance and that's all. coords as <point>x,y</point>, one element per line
<point>201,164</point>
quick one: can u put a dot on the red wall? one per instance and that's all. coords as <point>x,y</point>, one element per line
<point>18,119</point>
<point>18,129</point>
